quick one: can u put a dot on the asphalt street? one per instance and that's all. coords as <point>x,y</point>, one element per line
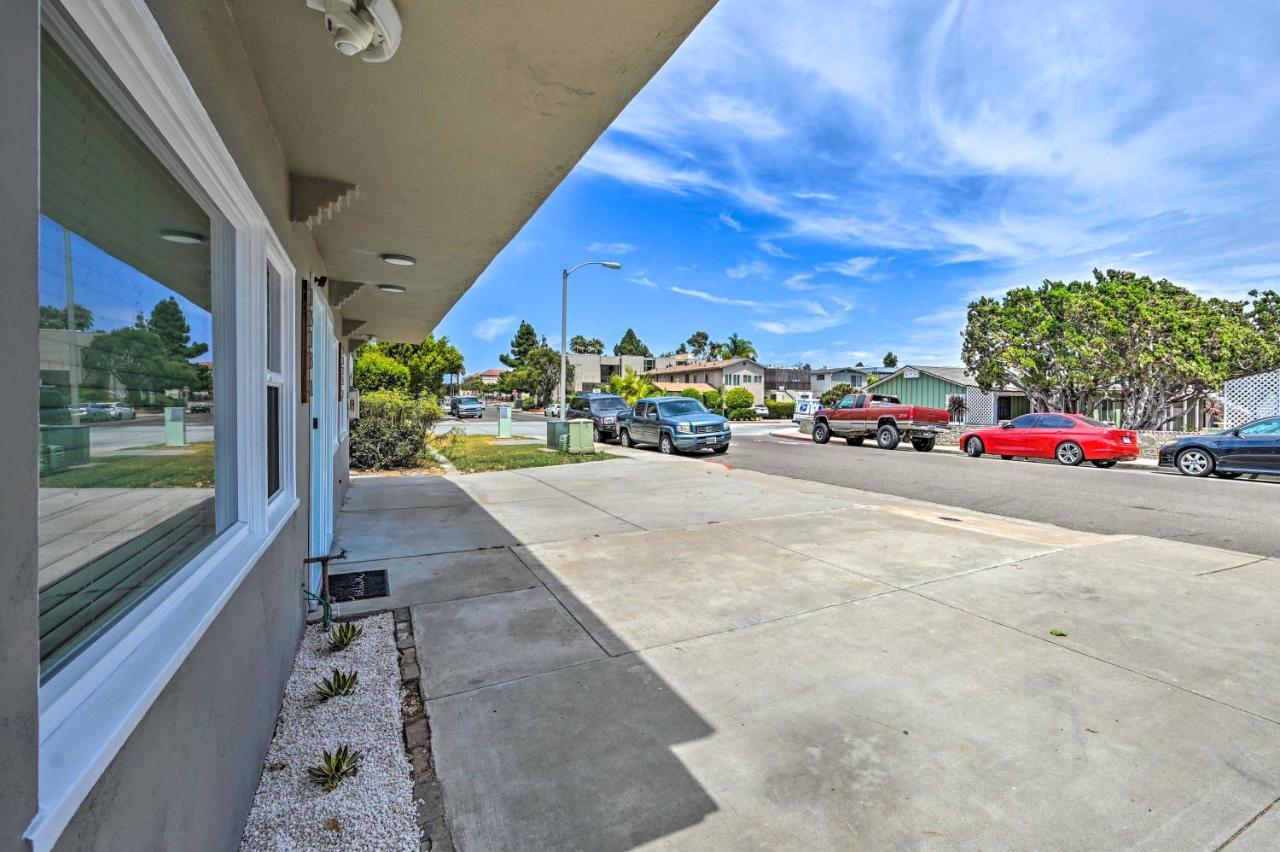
<point>1238,515</point>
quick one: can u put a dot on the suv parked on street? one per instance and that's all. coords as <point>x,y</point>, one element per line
<point>675,424</point>
<point>602,409</point>
<point>466,406</point>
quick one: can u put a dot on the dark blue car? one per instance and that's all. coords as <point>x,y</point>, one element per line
<point>675,424</point>
<point>1252,448</point>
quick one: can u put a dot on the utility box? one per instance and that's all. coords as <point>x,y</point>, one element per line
<point>504,421</point>
<point>557,430</point>
<point>580,438</point>
<point>175,427</point>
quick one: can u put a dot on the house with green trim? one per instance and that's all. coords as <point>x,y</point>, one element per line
<point>935,387</point>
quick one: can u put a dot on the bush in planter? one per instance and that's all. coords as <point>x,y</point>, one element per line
<point>780,410</point>
<point>738,397</point>
<point>836,394</point>
<point>711,399</point>
<point>379,443</point>
<point>377,372</point>
<point>742,414</point>
<point>692,393</point>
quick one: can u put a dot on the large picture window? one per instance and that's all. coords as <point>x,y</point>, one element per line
<point>127,368</point>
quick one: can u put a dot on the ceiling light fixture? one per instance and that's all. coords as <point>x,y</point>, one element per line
<point>391,288</point>
<point>398,259</point>
<point>186,238</point>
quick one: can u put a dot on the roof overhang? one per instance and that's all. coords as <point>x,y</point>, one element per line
<point>445,151</point>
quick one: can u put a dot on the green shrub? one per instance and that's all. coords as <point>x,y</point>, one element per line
<point>692,393</point>
<point>836,394</point>
<point>711,399</point>
<point>380,443</point>
<point>377,372</point>
<point>780,410</point>
<point>738,397</point>
<point>743,414</point>
<point>399,408</point>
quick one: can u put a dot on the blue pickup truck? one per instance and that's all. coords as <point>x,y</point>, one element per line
<point>675,424</point>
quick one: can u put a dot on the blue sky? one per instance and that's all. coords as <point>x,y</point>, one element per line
<point>834,180</point>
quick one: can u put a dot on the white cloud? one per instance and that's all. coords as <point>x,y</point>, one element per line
<point>772,249</point>
<point>717,300</point>
<point>492,328</point>
<point>800,281</point>
<point>642,280</point>
<point>754,268</point>
<point>611,248</point>
<point>854,267</point>
<point>732,222</point>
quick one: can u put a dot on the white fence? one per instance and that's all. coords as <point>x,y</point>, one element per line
<point>1250,397</point>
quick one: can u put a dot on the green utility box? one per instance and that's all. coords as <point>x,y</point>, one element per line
<point>504,421</point>
<point>571,436</point>
<point>175,427</point>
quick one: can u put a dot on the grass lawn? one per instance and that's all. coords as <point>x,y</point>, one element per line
<point>475,453</point>
<point>189,470</point>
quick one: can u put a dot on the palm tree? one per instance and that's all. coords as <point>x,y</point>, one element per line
<point>737,347</point>
<point>632,387</point>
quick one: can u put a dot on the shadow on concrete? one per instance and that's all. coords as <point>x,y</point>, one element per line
<point>542,738</point>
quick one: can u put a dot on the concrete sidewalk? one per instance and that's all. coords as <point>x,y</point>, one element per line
<point>657,651</point>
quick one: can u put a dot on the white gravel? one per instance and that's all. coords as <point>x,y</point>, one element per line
<point>373,810</point>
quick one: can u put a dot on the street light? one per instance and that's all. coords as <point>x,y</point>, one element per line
<point>564,319</point>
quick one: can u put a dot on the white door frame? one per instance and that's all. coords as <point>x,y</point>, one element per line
<point>324,428</point>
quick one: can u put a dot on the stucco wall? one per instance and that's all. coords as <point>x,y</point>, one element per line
<point>19,201</point>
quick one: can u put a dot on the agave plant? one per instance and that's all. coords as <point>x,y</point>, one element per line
<point>334,768</point>
<point>344,635</point>
<point>341,683</point>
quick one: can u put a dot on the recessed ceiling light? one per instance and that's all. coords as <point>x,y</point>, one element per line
<point>186,238</point>
<point>399,259</point>
<point>391,288</point>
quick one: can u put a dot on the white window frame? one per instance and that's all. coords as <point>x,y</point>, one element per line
<point>90,707</point>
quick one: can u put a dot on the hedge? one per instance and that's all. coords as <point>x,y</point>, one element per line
<point>377,372</point>
<point>738,397</point>
<point>382,444</point>
<point>743,414</point>
<point>780,410</point>
<point>692,393</point>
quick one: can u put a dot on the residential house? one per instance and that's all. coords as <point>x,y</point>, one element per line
<point>936,387</point>
<point>788,383</point>
<point>213,153</point>
<point>706,375</point>
<point>487,377</point>
<point>825,378</point>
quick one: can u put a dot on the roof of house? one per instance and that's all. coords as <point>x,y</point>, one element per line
<point>698,365</point>
<point>489,373</point>
<point>954,375</point>
<point>700,387</point>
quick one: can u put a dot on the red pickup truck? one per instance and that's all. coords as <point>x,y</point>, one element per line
<point>859,416</point>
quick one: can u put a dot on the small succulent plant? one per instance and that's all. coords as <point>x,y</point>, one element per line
<point>341,683</point>
<point>334,768</point>
<point>344,635</point>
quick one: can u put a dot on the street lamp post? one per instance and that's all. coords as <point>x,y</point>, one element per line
<point>564,321</point>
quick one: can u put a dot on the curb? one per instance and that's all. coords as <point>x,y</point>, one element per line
<point>796,435</point>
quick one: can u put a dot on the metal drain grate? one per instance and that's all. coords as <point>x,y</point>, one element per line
<point>357,586</point>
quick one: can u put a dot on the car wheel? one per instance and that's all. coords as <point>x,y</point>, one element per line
<point>1195,462</point>
<point>667,446</point>
<point>625,439</point>
<point>854,440</point>
<point>595,435</point>
<point>821,433</point>
<point>1069,453</point>
<point>1007,458</point>
<point>1104,463</point>
<point>922,445</point>
<point>888,437</point>
<point>1226,474</point>
<point>973,448</point>
<point>720,450</point>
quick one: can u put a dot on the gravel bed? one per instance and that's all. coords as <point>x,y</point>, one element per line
<point>374,809</point>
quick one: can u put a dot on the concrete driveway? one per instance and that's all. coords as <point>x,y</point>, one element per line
<point>646,652</point>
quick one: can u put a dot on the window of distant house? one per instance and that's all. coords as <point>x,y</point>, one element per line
<point>127,376</point>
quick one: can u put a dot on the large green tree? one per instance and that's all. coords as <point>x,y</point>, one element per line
<point>538,375</point>
<point>698,342</point>
<point>140,360</point>
<point>580,345</point>
<point>52,316</point>
<point>630,344</point>
<point>524,342</point>
<point>736,347</point>
<point>428,362</point>
<point>632,386</point>
<point>170,324</point>
<point>890,360</point>
<point>1150,343</point>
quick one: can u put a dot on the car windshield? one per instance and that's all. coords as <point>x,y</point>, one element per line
<point>466,400</point>
<point>1262,427</point>
<point>609,403</point>
<point>677,407</point>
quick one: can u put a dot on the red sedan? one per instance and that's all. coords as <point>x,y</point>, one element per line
<point>1069,438</point>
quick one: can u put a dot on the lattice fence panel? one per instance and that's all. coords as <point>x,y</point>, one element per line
<point>1250,397</point>
<point>981,407</point>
